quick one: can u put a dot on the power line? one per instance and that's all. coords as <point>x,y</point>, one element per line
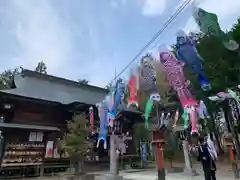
<point>175,14</point>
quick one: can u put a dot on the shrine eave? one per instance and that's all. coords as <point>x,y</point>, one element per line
<point>27,126</point>
<point>132,114</point>
<point>14,96</point>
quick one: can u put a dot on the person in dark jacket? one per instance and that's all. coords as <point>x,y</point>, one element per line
<point>204,157</point>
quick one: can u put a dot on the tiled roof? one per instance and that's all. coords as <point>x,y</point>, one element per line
<point>50,88</point>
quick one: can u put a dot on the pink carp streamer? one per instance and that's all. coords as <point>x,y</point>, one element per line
<point>91,118</point>
<point>193,118</point>
<point>175,76</point>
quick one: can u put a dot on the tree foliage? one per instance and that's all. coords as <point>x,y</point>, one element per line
<point>83,81</point>
<point>220,65</point>
<point>162,86</point>
<point>75,141</point>
<point>41,68</point>
<point>140,132</point>
<point>171,147</point>
<point>6,78</point>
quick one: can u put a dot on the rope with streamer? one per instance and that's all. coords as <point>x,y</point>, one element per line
<point>168,22</point>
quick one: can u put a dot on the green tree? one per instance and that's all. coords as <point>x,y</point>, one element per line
<point>140,132</point>
<point>41,68</point>
<point>163,86</point>
<point>167,98</point>
<point>6,78</point>
<point>83,81</point>
<point>75,142</point>
<point>171,147</point>
<point>221,65</point>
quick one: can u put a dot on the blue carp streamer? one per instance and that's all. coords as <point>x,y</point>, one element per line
<point>117,96</point>
<point>187,52</point>
<point>103,114</point>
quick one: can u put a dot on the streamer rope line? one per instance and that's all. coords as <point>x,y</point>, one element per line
<point>169,21</point>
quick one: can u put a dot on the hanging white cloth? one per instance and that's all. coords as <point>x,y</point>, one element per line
<point>211,148</point>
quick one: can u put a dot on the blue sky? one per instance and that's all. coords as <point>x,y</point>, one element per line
<point>90,38</point>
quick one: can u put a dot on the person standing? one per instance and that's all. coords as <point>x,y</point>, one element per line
<point>204,157</point>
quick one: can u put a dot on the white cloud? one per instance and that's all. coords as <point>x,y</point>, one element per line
<point>153,7</point>
<point>225,8</point>
<point>180,4</point>
<point>227,12</point>
<point>190,26</point>
<point>40,33</point>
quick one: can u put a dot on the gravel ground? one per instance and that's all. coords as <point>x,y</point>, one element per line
<point>224,172</point>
